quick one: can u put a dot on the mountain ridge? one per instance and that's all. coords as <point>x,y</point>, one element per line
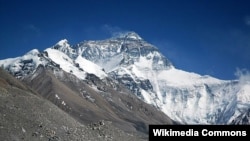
<point>148,74</point>
<point>26,115</point>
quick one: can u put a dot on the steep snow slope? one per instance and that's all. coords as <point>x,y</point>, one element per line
<point>185,96</point>
<point>90,67</point>
<point>65,62</point>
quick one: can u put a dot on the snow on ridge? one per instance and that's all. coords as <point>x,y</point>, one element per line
<point>128,35</point>
<point>28,55</point>
<point>132,35</point>
<point>143,68</point>
<point>33,52</point>
<point>184,96</point>
<point>243,96</point>
<point>63,42</point>
<point>90,67</point>
<point>176,77</point>
<point>65,62</point>
<point>6,62</point>
<point>30,61</point>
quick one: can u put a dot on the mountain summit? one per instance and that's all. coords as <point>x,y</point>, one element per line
<point>129,36</point>
<point>186,97</point>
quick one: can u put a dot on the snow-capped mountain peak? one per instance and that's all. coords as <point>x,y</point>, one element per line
<point>33,52</point>
<point>63,43</point>
<point>65,47</point>
<point>65,62</point>
<point>130,35</point>
<point>186,97</point>
<point>24,65</point>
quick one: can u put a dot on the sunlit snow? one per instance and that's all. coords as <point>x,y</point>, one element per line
<point>186,97</point>
<point>90,67</point>
<point>66,63</point>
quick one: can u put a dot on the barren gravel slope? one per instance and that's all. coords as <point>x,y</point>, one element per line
<point>29,117</point>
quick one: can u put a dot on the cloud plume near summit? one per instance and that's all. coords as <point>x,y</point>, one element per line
<point>243,75</point>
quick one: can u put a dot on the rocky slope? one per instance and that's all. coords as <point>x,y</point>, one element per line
<point>128,60</point>
<point>25,115</point>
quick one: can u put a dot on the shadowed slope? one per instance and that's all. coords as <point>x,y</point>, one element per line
<point>94,99</point>
<point>26,116</point>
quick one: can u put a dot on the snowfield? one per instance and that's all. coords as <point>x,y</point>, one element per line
<point>186,97</point>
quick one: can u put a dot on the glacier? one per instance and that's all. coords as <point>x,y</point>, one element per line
<point>186,97</point>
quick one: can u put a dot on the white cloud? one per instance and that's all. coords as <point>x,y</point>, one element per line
<point>102,32</point>
<point>112,30</point>
<point>243,75</point>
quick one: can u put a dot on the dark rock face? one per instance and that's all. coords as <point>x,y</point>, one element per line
<point>131,84</point>
<point>130,48</point>
<point>242,119</point>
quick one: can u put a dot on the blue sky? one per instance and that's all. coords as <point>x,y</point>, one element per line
<point>203,36</point>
